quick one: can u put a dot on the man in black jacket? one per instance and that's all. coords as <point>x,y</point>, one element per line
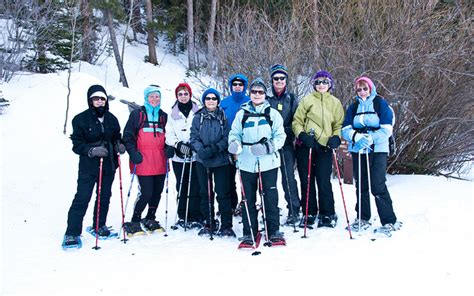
<point>285,103</point>
<point>95,136</point>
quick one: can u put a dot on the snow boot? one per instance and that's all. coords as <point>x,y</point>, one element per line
<point>292,220</point>
<point>71,242</point>
<point>364,225</point>
<point>388,228</point>
<point>151,225</point>
<point>133,228</point>
<point>277,239</point>
<point>246,241</point>
<point>104,232</point>
<point>226,232</point>
<point>327,221</point>
<point>310,222</point>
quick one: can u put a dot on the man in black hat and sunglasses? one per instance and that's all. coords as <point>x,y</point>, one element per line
<point>285,103</point>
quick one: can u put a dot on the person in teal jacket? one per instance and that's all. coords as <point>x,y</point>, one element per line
<point>256,135</point>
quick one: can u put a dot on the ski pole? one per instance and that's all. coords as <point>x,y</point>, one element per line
<point>307,186</point>
<point>187,196</point>
<point>288,188</point>
<point>166,208</point>
<point>121,196</point>
<point>98,206</point>
<point>262,197</point>
<point>128,197</point>
<point>174,227</point>
<point>360,192</point>
<point>209,200</point>
<point>342,192</point>
<point>369,182</point>
<point>246,206</point>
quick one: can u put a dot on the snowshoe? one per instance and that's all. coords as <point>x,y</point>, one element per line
<point>226,232</point>
<point>71,242</point>
<point>327,221</point>
<point>247,242</point>
<point>310,222</point>
<point>104,232</point>
<point>151,225</point>
<point>388,228</point>
<point>133,229</point>
<point>364,225</point>
<point>277,239</point>
<point>195,225</point>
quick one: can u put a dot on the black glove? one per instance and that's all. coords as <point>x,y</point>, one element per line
<point>169,151</point>
<point>119,148</point>
<point>334,142</point>
<point>184,148</point>
<point>308,140</point>
<point>290,135</point>
<point>205,153</point>
<point>98,152</point>
<point>136,157</point>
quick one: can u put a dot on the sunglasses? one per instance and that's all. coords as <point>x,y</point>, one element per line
<point>96,99</point>
<point>185,94</point>
<point>260,92</point>
<point>237,84</point>
<point>318,82</point>
<point>210,98</point>
<point>365,88</point>
<point>279,78</point>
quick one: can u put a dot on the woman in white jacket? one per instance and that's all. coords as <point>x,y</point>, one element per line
<point>178,132</point>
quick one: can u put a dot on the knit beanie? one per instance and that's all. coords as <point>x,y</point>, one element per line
<point>211,91</point>
<point>258,82</point>
<point>183,84</point>
<point>323,74</point>
<point>278,68</point>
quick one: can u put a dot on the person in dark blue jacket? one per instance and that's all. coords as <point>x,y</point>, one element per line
<point>238,84</point>
<point>368,129</point>
<point>209,132</point>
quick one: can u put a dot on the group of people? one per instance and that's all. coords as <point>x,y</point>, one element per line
<point>243,137</point>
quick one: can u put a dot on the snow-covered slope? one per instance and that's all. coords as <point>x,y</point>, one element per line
<point>431,254</point>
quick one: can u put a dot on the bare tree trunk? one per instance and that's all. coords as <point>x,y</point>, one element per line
<point>315,29</point>
<point>191,47</point>
<point>86,32</point>
<point>74,15</point>
<point>115,47</point>
<point>210,37</point>
<point>126,30</point>
<point>151,36</point>
<point>136,19</point>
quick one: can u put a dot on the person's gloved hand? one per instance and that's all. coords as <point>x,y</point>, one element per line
<point>334,142</point>
<point>98,152</point>
<point>308,140</point>
<point>205,153</point>
<point>234,147</point>
<point>260,149</point>
<point>136,157</point>
<point>365,142</point>
<point>184,148</point>
<point>119,148</point>
<point>169,151</point>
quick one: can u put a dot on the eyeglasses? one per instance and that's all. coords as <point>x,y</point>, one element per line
<point>260,92</point>
<point>210,98</point>
<point>318,82</point>
<point>185,94</point>
<point>365,88</point>
<point>95,99</point>
<point>237,84</point>
<point>276,78</point>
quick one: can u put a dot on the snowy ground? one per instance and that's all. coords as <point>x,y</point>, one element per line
<point>431,254</point>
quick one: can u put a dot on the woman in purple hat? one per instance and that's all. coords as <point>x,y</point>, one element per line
<point>317,124</point>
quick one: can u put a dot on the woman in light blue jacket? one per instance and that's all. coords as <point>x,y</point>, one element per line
<point>256,135</point>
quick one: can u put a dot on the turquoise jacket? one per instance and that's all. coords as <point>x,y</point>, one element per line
<point>254,130</point>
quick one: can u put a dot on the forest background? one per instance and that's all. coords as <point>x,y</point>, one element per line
<point>418,53</point>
